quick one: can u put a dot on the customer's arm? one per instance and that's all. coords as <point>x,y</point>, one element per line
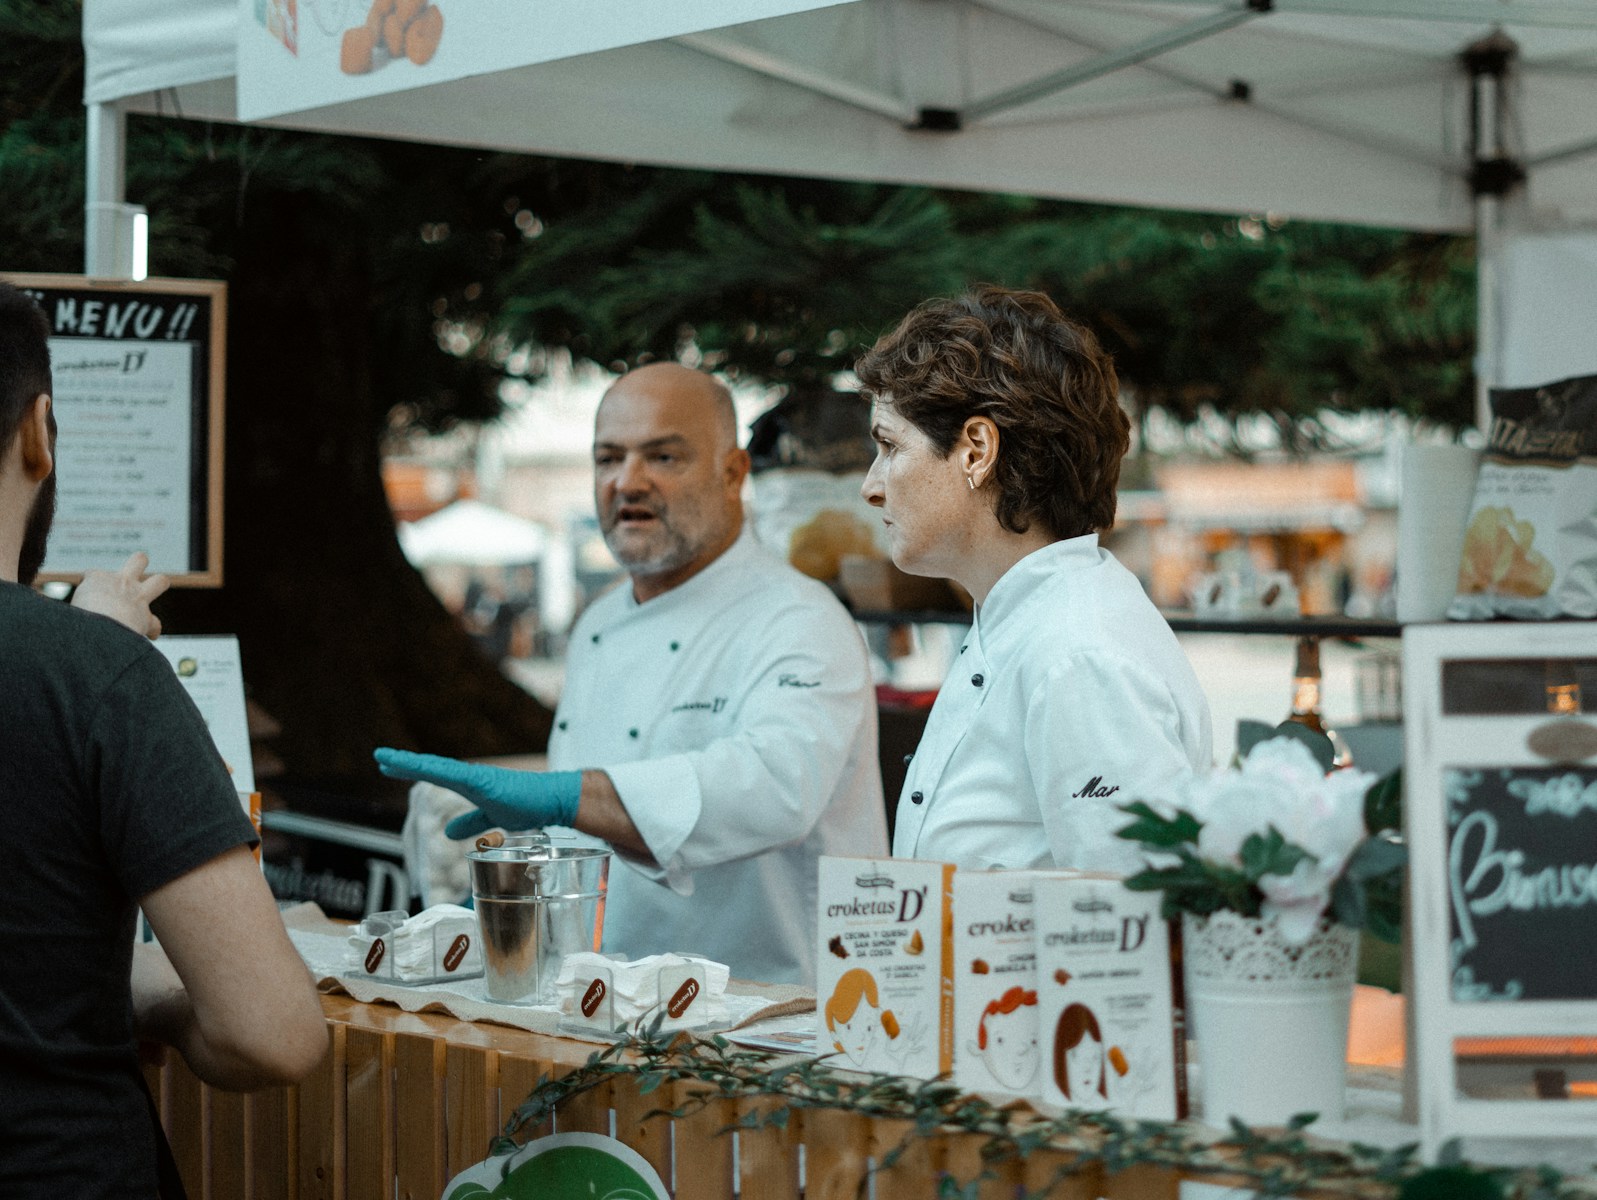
<point>226,986</point>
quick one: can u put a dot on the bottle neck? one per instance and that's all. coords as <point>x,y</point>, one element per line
<point>1306,702</point>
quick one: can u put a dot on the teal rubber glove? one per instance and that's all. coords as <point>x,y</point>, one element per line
<point>505,799</point>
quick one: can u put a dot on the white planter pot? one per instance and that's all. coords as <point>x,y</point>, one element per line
<point>1270,1018</point>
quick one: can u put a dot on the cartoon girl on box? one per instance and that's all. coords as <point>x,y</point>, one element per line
<point>855,1017</point>
<point>1006,1038</point>
<point>1079,1058</point>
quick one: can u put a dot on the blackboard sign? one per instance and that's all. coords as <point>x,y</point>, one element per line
<point>1522,882</point>
<point>138,370</point>
<point>1500,815</point>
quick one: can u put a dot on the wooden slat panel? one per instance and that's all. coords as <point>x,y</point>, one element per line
<point>914,1173</point>
<point>586,1112</point>
<point>768,1159</point>
<point>837,1146</point>
<point>183,1111</point>
<point>1055,1170</point>
<point>419,1110</point>
<point>471,1104</point>
<point>650,1138</point>
<point>518,1076</point>
<point>369,1112</point>
<point>703,1152</point>
<point>268,1142</point>
<point>226,1174</point>
<point>320,1121</point>
<point>1142,1183</point>
<point>962,1159</point>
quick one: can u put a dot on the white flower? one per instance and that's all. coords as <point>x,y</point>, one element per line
<point>1280,785</point>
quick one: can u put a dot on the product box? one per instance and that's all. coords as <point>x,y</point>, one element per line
<point>995,983</point>
<point>1108,999</point>
<point>884,989</point>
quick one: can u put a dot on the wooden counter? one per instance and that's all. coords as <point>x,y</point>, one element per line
<point>405,1101</point>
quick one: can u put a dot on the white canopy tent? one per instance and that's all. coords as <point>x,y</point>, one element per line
<point>471,533</point>
<point>1432,114</point>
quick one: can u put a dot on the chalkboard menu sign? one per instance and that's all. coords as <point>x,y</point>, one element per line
<point>1522,882</point>
<point>138,370</point>
<point>1500,815</point>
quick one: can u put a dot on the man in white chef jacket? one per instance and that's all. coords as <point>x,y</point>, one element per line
<point>718,726</point>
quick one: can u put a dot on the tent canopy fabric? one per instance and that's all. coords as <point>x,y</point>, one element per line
<point>471,533</point>
<point>1347,110</point>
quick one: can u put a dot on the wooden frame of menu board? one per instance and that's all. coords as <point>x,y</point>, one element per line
<point>1500,798</point>
<point>139,373</point>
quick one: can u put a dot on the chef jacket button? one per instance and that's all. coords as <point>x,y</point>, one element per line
<point>916,797</point>
<point>977,680</point>
<point>596,639</point>
<point>561,726</point>
<point>676,645</point>
<point>962,649</point>
<point>907,757</point>
<point>632,733</point>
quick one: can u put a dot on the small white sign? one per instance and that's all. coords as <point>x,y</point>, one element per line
<point>210,671</point>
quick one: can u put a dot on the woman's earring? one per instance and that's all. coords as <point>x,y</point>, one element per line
<point>971,479</point>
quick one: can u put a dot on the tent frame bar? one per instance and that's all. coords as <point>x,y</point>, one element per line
<point>1114,60</point>
<point>105,187</point>
<point>1488,13</point>
<point>763,63</point>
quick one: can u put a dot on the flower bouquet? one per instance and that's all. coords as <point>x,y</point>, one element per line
<point>1279,838</point>
<point>1274,866</point>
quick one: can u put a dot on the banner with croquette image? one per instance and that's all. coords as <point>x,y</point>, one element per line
<point>884,987</point>
<point>297,55</point>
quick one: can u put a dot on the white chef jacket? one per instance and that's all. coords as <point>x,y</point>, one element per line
<point>1069,697</point>
<point>737,718</point>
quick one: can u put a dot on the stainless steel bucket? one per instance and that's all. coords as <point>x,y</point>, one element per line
<point>535,904</point>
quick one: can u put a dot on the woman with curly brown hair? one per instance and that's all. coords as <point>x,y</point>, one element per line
<point>999,436</point>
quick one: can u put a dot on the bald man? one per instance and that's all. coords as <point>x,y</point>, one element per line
<point>718,726</point>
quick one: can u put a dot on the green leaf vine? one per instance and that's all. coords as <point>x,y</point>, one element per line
<point>1281,1163</point>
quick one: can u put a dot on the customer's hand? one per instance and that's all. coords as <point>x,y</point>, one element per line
<point>504,798</point>
<point>124,595</point>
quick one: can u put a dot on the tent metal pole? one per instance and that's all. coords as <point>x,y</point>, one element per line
<point>1488,306</point>
<point>105,143</point>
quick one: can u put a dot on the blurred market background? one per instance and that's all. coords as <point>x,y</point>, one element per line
<point>419,336</point>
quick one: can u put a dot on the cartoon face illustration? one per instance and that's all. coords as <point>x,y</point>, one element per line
<point>1007,1038</point>
<point>855,1017</point>
<point>1079,1057</point>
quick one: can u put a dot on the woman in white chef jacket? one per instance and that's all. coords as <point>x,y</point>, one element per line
<point>999,436</point>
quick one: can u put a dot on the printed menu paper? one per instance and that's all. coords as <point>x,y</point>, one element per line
<point>884,991</point>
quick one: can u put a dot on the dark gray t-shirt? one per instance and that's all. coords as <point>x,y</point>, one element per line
<point>110,787</point>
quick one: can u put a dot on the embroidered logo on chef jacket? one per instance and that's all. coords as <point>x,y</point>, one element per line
<point>790,680</point>
<point>1095,790</point>
<point>709,706</point>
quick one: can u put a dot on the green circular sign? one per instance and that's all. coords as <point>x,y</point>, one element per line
<point>564,1166</point>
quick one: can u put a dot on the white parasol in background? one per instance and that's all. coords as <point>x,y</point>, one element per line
<point>471,533</point>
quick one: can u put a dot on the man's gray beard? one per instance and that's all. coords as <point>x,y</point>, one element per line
<point>676,553</point>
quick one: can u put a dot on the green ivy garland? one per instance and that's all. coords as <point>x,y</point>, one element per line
<point>1274,1165</point>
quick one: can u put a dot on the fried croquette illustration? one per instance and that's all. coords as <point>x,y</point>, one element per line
<point>979,967</point>
<point>392,29</point>
<point>917,944</point>
<point>835,945</point>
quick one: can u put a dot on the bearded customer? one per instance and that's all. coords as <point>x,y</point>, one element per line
<point>718,726</point>
<point>112,797</point>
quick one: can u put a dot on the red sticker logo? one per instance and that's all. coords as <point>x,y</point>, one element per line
<point>374,956</point>
<point>684,997</point>
<point>593,997</point>
<point>456,953</point>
